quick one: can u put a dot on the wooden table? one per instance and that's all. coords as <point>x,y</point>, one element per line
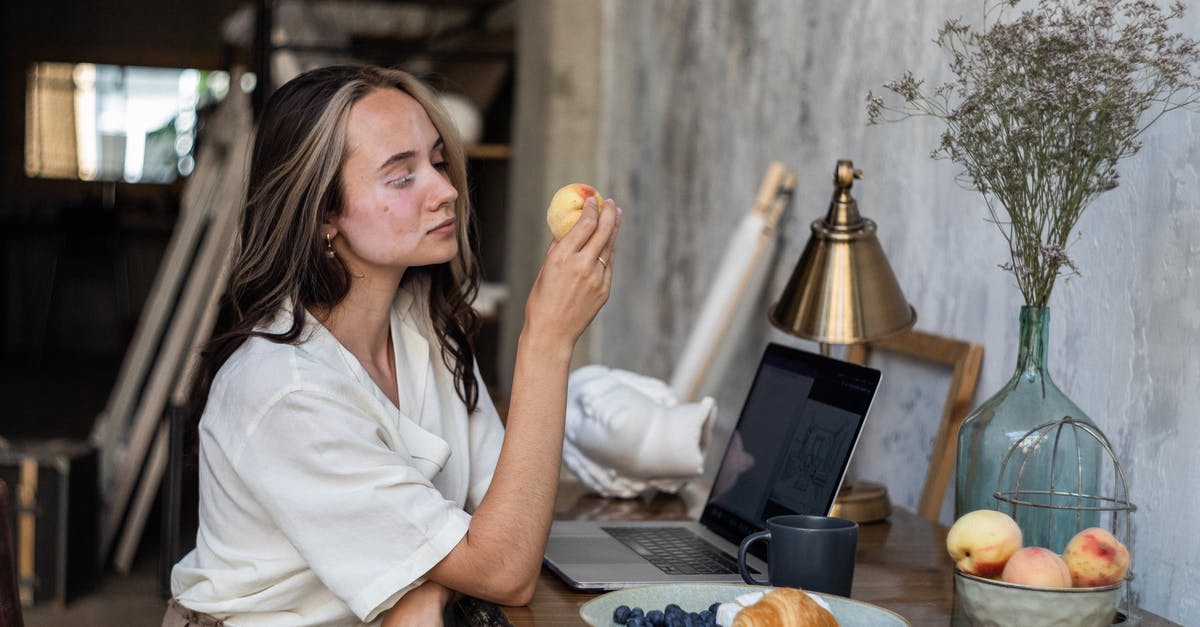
<point>901,563</point>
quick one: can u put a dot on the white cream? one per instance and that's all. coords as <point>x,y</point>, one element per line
<point>726,612</point>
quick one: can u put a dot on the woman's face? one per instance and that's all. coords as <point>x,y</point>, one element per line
<point>399,202</point>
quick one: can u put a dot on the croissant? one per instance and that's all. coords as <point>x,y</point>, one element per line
<point>785,607</point>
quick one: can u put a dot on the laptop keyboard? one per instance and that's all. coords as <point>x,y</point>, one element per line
<point>675,550</point>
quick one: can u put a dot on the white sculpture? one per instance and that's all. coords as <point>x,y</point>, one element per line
<point>628,434</point>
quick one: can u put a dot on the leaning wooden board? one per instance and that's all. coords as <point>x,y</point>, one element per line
<point>129,425</point>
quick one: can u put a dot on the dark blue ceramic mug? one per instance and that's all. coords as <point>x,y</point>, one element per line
<point>815,553</point>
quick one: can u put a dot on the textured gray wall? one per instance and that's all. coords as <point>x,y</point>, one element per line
<point>700,95</point>
<point>556,139</point>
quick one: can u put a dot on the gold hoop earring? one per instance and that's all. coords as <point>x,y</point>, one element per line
<point>329,254</point>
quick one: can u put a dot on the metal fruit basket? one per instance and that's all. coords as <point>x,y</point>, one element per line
<point>1117,506</point>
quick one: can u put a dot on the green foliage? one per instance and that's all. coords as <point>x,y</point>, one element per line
<point>1044,106</point>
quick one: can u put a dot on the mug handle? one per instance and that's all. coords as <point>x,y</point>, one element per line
<point>751,539</point>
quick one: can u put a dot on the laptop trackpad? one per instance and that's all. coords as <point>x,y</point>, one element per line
<point>591,550</point>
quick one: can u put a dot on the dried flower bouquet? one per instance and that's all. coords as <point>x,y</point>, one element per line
<point>1044,106</point>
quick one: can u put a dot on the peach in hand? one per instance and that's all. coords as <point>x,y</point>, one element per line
<point>980,542</point>
<point>1095,558</point>
<point>1035,566</point>
<point>567,205</point>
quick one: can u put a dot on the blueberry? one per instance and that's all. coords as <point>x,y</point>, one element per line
<point>621,614</point>
<point>636,622</point>
<point>636,613</point>
<point>708,617</point>
<point>713,608</point>
<point>656,618</point>
<point>672,609</point>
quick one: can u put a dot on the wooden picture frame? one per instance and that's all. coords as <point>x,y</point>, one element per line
<point>965,358</point>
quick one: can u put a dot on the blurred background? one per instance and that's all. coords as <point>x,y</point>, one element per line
<point>673,107</point>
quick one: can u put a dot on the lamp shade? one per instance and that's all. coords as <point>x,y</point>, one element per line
<point>843,290</point>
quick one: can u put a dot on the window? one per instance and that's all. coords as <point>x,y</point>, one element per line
<point>115,123</point>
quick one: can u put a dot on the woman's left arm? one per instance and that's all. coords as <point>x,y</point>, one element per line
<point>422,605</point>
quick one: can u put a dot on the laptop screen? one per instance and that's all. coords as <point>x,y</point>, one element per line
<point>793,441</point>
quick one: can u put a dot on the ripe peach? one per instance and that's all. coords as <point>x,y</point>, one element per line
<point>567,205</point>
<point>1035,566</point>
<point>1096,558</point>
<point>980,542</point>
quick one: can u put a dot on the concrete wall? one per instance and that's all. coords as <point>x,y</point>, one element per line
<point>700,96</point>
<point>556,134</point>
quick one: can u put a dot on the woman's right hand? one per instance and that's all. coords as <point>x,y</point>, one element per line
<point>501,555</point>
<point>576,276</point>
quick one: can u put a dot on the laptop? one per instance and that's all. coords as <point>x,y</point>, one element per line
<point>788,454</point>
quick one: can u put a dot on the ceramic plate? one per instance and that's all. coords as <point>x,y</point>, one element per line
<point>698,596</point>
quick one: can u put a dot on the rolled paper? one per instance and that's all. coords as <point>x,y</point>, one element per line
<point>745,257</point>
<point>741,273</point>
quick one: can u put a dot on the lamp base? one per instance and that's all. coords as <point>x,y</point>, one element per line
<point>862,502</point>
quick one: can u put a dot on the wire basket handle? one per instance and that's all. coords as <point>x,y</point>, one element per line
<point>1032,440</point>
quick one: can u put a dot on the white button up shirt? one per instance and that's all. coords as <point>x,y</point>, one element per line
<point>321,502</point>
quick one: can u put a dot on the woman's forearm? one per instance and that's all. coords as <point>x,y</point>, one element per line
<point>501,555</point>
<point>423,605</point>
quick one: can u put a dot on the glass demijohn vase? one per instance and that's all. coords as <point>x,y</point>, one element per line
<point>1028,400</point>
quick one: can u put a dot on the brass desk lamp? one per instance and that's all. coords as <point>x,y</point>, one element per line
<point>844,292</point>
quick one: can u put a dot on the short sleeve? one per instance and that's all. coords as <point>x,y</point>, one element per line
<point>365,519</point>
<point>486,435</point>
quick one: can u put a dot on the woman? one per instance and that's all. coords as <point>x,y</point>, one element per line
<point>352,466</point>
